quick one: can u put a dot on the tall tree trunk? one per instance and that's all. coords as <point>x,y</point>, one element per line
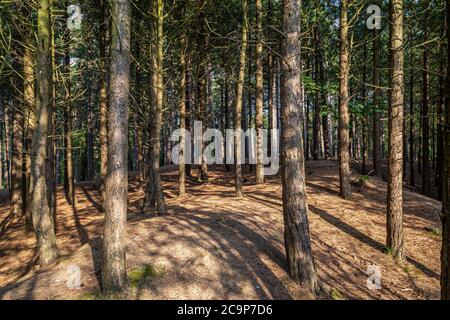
<point>425,122</point>
<point>259,94</point>
<point>412,176</point>
<point>297,238</point>
<point>182,110</point>
<point>445,253</point>
<point>440,134</point>
<point>239,102</point>
<point>154,197</point>
<point>30,119</point>
<point>344,134</point>
<point>69,187</point>
<point>17,154</point>
<point>394,239</point>
<point>103,97</point>
<point>114,275</point>
<point>317,102</point>
<point>377,150</point>
<point>40,204</point>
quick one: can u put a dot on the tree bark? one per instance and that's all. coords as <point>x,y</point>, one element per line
<point>445,253</point>
<point>154,197</point>
<point>425,121</point>
<point>394,241</point>
<point>297,238</point>
<point>344,133</point>
<point>114,275</point>
<point>103,97</point>
<point>239,102</point>
<point>259,94</point>
<point>40,203</point>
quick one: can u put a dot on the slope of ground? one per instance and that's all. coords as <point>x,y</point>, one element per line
<point>214,246</point>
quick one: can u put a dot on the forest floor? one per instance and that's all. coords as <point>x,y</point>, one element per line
<point>214,246</point>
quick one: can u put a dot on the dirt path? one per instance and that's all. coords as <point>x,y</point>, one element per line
<point>214,246</point>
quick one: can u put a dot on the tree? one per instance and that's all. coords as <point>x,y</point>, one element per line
<point>445,253</point>
<point>239,102</point>
<point>182,109</point>
<point>40,202</point>
<point>295,209</point>
<point>259,94</point>
<point>344,119</point>
<point>114,275</point>
<point>394,240</point>
<point>103,97</point>
<point>154,196</point>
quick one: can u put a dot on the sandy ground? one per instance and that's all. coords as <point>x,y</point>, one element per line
<point>214,246</point>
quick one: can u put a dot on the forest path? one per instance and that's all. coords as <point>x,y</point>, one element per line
<point>214,246</point>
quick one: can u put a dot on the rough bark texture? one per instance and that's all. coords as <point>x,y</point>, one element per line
<point>259,94</point>
<point>344,119</point>
<point>114,276</point>
<point>154,197</point>
<point>30,119</point>
<point>239,102</point>
<point>16,160</point>
<point>445,253</point>
<point>425,121</point>
<point>297,238</point>
<point>412,156</point>
<point>69,186</point>
<point>103,98</point>
<point>182,110</point>
<point>40,203</point>
<point>377,167</point>
<point>394,241</point>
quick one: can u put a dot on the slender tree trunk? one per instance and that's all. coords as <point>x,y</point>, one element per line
<point>259,94</point>
<point>17,157</point>
<point>114,275</point>
<point>425,122</point>
<point>103,97</point>
<point>69,187</point>
<point>297,238</point>
<point>154,198</point>
<point>412,176</point>
<point>344,135</point>
<point>40,206</point>
<point>239,102</point>
<point>30,119</point>
<point>377,166</point>
<point>182,110</point>
<point>445,253</point>
<point>394,239</point>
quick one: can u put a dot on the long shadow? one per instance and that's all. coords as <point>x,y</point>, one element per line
<point>93,244</point>
<point>96,205</point>
<point>355,233</point>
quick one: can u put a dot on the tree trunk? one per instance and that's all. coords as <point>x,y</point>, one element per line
<point>259,95</point>
<point>412,177</point>
<point>297,238</point>
<point>344,134</point>
<point>239,102</point>
<point>377,165</point>
<point>182,110</point>
<point>69,187</point>
<point>40,204</point>
<point>154,197</point>
<point>425,122</point>
<point>103,97</point>
<point>445,253</point>
<point>114,275</point>
<point>394,241</point>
